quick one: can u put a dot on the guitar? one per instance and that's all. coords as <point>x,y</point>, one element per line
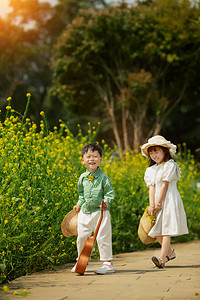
<point>87,248</point>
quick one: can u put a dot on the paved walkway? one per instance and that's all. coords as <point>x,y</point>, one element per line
<point>135,278</point>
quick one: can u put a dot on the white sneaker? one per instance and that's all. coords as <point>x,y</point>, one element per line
<point>106,268</point>
<point>74,268</point>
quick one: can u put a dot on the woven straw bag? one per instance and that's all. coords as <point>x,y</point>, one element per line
<point>145,225</point>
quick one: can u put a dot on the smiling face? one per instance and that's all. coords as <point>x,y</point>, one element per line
<point>157,154</point>
<point>92,160</point>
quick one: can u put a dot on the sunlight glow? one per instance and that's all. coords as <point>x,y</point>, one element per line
<point>5,9</point>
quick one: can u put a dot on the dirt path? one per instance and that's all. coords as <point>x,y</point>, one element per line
<point>135,278</point>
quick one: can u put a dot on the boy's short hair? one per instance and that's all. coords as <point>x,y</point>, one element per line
<point>93,147</point>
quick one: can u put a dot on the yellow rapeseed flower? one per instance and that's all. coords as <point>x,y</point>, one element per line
<point>6,288</point>
<point>9,98</point>
<point>15,293</point>
<point>8,107</point>
<point>28,95</point>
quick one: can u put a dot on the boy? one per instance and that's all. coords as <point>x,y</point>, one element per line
<point>93,186</point>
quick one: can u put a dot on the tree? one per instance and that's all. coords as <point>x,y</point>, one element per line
<point>25,55</point>
<point>27,37</point>
<point>131,64</point>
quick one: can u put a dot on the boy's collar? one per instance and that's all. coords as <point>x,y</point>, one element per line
<point>96,173</point>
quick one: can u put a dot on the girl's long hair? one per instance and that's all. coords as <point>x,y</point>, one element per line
<point>166,153</point>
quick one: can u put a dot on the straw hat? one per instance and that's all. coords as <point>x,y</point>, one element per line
<point>69,224</point>
<point>144,237</point>
<point>144,228</point>
<point>158,140</point>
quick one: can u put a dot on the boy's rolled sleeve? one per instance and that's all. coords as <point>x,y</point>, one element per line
<point>108,191</point>
<point>81,198</point>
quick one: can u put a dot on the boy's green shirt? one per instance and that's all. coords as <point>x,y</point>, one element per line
<point>92,188</point>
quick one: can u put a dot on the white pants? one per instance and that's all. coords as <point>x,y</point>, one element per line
<point>87,224</point>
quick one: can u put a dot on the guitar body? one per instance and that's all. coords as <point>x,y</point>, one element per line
<point>87,249</point>
<point>84,256</point>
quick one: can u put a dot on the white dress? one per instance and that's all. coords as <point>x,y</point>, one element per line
<point>171,220</point>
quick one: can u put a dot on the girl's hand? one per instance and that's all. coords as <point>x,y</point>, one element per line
<point>158,207</point>
<point>77,208</point>
<point>105,205</point>
<point>151,211</point>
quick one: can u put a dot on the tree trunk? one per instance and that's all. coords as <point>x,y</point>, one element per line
<point>137,129</point>
<point>124,127</point>
<point>110,107</point>
<point>115,129</point>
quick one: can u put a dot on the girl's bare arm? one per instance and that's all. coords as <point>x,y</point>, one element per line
<point>151,200</point>
<point>162,195</point>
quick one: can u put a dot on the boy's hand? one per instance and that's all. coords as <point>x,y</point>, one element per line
<point>105,205</point>
<point>77,208</point>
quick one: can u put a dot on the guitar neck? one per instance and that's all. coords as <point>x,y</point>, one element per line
<point>100,219</point>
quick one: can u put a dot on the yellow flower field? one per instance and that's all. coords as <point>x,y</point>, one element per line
<point>39,174</point>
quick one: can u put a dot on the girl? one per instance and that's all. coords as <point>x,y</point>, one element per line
<point>161,177</point>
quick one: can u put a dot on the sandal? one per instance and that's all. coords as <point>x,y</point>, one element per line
<point>158,262</point>
<point>172,256</point>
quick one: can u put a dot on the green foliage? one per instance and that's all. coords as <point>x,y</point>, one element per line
<point>26,40</point>
<point>102,57</point>
<point>159,38</point>
<point>38,188</point>
<point>39,170</point>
